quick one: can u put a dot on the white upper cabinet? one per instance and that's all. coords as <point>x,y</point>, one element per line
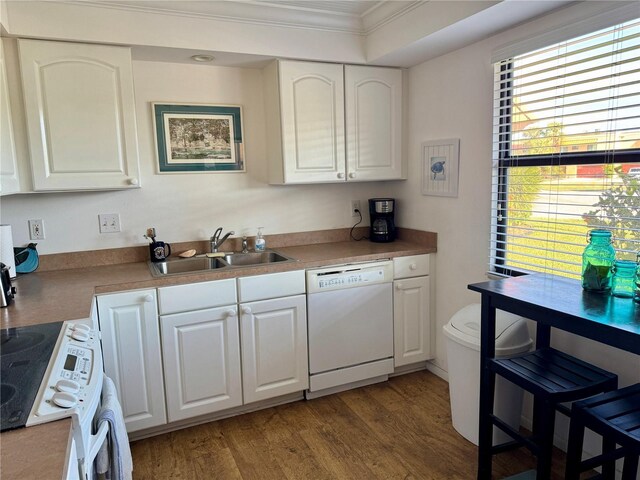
<point>310,147</point>
<point>307,105</point>
<point>9,180</point>
<point>80,113</point>
<point>373,99</point>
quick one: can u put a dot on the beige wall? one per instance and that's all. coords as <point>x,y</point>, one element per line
<point>451,97</point>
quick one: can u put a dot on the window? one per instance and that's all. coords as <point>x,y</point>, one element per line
<point>566,146</point>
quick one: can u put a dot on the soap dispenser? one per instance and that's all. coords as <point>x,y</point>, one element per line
<point>261,243</point>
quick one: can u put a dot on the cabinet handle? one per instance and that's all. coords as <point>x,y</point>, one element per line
<point>133,181</point>
<point>413,266</point>
<point>246,310</point>
<point>148,298</point>
<point>231,313</point>
<point>340,175</point>
<point>352,175</point>
<point>399,286</point>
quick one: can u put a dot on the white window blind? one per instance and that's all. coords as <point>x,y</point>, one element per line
<point>566,151</point>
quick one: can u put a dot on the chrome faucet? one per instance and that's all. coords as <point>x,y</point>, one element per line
<point>216,241</point>
<point>245,245</point>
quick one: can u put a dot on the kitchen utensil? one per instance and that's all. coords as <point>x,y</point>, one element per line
<point>159,251</point>
<point>26,258</point>
<point>8,292</point>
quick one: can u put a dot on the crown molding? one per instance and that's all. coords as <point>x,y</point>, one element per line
<point>385,13</point>
<point>247,12</point>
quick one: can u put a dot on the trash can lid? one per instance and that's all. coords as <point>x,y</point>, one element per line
<point>511,336</point>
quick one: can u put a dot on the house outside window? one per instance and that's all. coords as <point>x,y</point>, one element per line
<point>566,135</point>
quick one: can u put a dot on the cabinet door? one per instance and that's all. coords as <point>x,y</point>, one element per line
<point>80,113</point>
<point>9,181</point>
<point>132,358</point>
<point>201,356</point>
<point>274,347</point>
<point>312,109</point>
<point>411,320</point>
<point>373,99</point>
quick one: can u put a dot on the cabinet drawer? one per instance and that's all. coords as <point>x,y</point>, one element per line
<point>412,266</point>
<point>196,296</point>
<point>273,285</point>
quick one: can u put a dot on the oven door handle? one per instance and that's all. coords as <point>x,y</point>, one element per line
<point>96,442</point>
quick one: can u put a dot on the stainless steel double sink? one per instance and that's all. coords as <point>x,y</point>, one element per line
<point>199,264</point>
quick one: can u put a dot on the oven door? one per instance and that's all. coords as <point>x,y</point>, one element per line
<point>84,447</point>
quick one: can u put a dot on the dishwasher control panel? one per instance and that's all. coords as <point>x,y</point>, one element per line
<point>347,276</point>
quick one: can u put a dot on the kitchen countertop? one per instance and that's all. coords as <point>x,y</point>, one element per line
<point>35,452</point>
<point>54,296</point>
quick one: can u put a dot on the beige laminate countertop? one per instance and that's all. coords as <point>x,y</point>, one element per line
<point>54,296</point>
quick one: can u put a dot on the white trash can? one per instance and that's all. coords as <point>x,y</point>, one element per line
<point>463,354</point>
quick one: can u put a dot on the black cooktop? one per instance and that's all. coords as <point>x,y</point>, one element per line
<point>24,356</point>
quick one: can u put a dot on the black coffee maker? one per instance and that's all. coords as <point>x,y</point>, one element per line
<point>383,227</point>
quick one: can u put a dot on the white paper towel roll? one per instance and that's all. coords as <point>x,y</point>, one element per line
<point>6,249</point>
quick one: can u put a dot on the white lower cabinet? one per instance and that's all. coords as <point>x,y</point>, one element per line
<point>411,310</point>
<point>200,347</point>
<point>189,348</point>
<point>132,357</point>
<point>201,361</point>
<point>274,347</point>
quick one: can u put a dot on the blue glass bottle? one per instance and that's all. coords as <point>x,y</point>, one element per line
<point>623,282</point>
<point>597,260</point>
<point>636,296</point>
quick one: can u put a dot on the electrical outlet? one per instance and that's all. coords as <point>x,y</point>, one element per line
<point>355,205</point>
<point>109,222</point>
<point>36,229</point>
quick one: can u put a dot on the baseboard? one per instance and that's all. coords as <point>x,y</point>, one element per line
<point>438,371</point>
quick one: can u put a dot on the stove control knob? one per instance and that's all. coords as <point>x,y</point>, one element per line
<point>64,399</point>
<point>80,335</point>
<point>68,386</point>
<point>81,327</point>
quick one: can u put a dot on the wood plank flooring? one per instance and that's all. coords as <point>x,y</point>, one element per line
<point>400,429</point>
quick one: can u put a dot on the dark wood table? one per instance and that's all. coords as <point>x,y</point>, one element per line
<point>551,301</point>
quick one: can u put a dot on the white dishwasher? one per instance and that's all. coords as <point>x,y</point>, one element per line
<point>350,326</point>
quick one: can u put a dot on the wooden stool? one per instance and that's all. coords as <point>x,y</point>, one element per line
<point>616,417</point>
<point>552,377</point>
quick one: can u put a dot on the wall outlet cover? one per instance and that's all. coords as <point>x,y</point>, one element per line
<point>36,229</point>
<point>355,205</point>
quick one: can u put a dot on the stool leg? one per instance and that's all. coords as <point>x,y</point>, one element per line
<point>630,470</point>
<point>485,428</point>
<point>545,440</point>
<point>608,468</point>
<point>574,448</point>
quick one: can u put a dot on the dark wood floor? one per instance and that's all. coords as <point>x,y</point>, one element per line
<point>400,429</point>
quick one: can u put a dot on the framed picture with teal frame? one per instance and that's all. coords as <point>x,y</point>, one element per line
<point>198,138</point>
